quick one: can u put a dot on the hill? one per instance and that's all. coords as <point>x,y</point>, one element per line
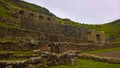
<point>8,20</point>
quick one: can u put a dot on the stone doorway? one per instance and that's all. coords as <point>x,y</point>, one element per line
<point>98,38</point>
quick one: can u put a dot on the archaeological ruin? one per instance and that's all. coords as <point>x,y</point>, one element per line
<point>39,41</point>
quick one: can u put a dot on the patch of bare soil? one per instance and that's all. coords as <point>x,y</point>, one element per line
<point>114,54</point>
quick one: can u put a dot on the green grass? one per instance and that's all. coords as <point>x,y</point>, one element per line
<point>13,59</point>
<point>20,59</point>
<point>3,11</point>
<point>5,25</point>
<point>1,40</point>
<point>19,52</point>
<point>7,40</point>
<point>30,7</point>
<point>117,39</point>
<point>82,63</point>
<point>8,4</point>
<point>23,52</point>
<point>103,50</point>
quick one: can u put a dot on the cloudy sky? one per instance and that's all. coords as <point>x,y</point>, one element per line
<point>83,11</point>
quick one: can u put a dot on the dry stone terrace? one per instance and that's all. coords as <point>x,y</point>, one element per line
<point>5,55</point>
<point>56,56</point>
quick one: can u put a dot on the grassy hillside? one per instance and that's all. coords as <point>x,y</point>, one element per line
<point>6,7</point>
<point>112,29</point>
<point>26,6</point>
<point>31,7</point>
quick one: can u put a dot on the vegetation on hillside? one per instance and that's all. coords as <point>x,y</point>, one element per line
<point>102,51</point>
<point>82,63</point>
<point>30,7</point>
<point>111,29</point>
<point>5,25</point>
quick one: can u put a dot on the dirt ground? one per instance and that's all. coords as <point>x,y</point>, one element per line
<point>114,54</point>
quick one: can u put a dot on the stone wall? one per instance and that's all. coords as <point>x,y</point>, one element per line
<point>92,46</point>
<point>31,28</point>
<point>46,59</point>
<point>96,36</point>
<point>48,25</point>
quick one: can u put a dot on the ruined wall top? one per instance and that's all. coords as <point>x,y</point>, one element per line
<point>96,36</point>
<point>49,19</point>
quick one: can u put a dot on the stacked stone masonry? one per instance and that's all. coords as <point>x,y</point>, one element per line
<point>46,28</point>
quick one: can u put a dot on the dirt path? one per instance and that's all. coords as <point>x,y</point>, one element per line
<point>114,54</point>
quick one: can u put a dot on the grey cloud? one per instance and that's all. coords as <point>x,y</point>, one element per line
<point>85,11</point>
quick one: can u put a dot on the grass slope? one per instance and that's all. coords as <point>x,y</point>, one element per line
<point>103,50</point>
<point>111,29</point>
<point>30,7</point>
<point>82,63</point>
